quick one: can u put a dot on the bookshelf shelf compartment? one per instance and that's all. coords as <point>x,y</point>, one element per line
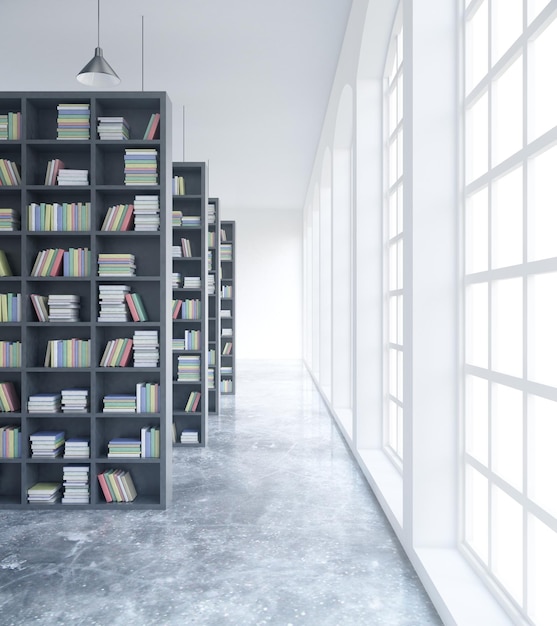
<point>47,135</point>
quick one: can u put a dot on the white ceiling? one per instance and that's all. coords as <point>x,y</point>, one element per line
<point>251,77</point>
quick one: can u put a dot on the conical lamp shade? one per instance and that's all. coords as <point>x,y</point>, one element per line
<point>98,73</point>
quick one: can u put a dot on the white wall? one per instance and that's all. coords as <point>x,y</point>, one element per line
<point>268,282</point>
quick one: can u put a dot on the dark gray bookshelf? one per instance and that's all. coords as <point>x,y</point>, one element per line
<point>213,225</point>
<point>227,307</point>
<point>192,204</point>
<point>105,187</point>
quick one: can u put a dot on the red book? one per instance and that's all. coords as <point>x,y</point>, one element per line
<point>153,126</point>
<point>57,263</point>
<point>127,353</point>
<point>196,401</point>
<point>131,307</point>
<point>127,223</point>
<point>104,487</point>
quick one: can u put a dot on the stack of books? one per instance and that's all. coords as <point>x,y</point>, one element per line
<point>192,282</point>
<point>44,403</point>
<point>10,353</point>
<point>77,448</point>
<point>117,485</point>
<point>147,397</point>
<point>178,344</point>
<point>145,348</point>
<point>47,443</point>
<point>211,214</point>
<point>112,301</point>
<point>74,121</point>
<point>176,252</point>
<point>119,403</point>
<point>44,493</point>
<point>176,280</point>
<point>140,166</point>
<point>76,484</point>
<point>211,378</point>
<point>10,442</point>
<point>176,219</point>
<point>211,289</point>
<point>9,399</point>
<point>68,178</point>
<point>111,264</point>
<point>146,213</point>
<point>226,332</point>
<point>75,400</point>
<point>8,220</point>
<point>10,126</point>
<point>63,308</point>
<point>189,436</point>
<point>189,367</point>
<point>191,221</point>
<point>113,128</point>
<point>124,447</point>
<point>150,442</point>
<point>226,252</point>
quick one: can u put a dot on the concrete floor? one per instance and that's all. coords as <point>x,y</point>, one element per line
<point>272,523</point>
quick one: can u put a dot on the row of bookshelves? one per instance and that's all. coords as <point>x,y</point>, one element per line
<point>73,122</point>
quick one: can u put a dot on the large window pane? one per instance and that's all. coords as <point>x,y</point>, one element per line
<point>476,47</point>
<point>477,419</point>
<point>542,212</point>
<point>507,119</point>
<point>507,220</point>
<point>506,25</point>
<point>542,456</point>
<point>542,86</point>
<point>476,531</point>
<point>507,541</point>
<point>506,326</point>
<point>477,232</point>
<point>507,434</point>
<point>477,132</point>
<point>542,572</point>
<point>542,329</point>
<point>477,343</point>
<point>535,7</point>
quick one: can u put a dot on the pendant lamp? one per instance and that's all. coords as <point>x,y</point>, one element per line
<point>98,73</point>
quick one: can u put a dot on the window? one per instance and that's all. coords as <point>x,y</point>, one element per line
<point>394,242</point>
<point>510,314</point>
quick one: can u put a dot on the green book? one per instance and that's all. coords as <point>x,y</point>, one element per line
<point>5,269</point>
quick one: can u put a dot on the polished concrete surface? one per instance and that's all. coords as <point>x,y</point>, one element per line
<point>272,523</point>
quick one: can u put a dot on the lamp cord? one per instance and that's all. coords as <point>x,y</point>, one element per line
<point>98,23</point>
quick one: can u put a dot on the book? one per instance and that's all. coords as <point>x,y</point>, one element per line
<point>5,269</point>
<point>152,126</point>
<point>136,307</point>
